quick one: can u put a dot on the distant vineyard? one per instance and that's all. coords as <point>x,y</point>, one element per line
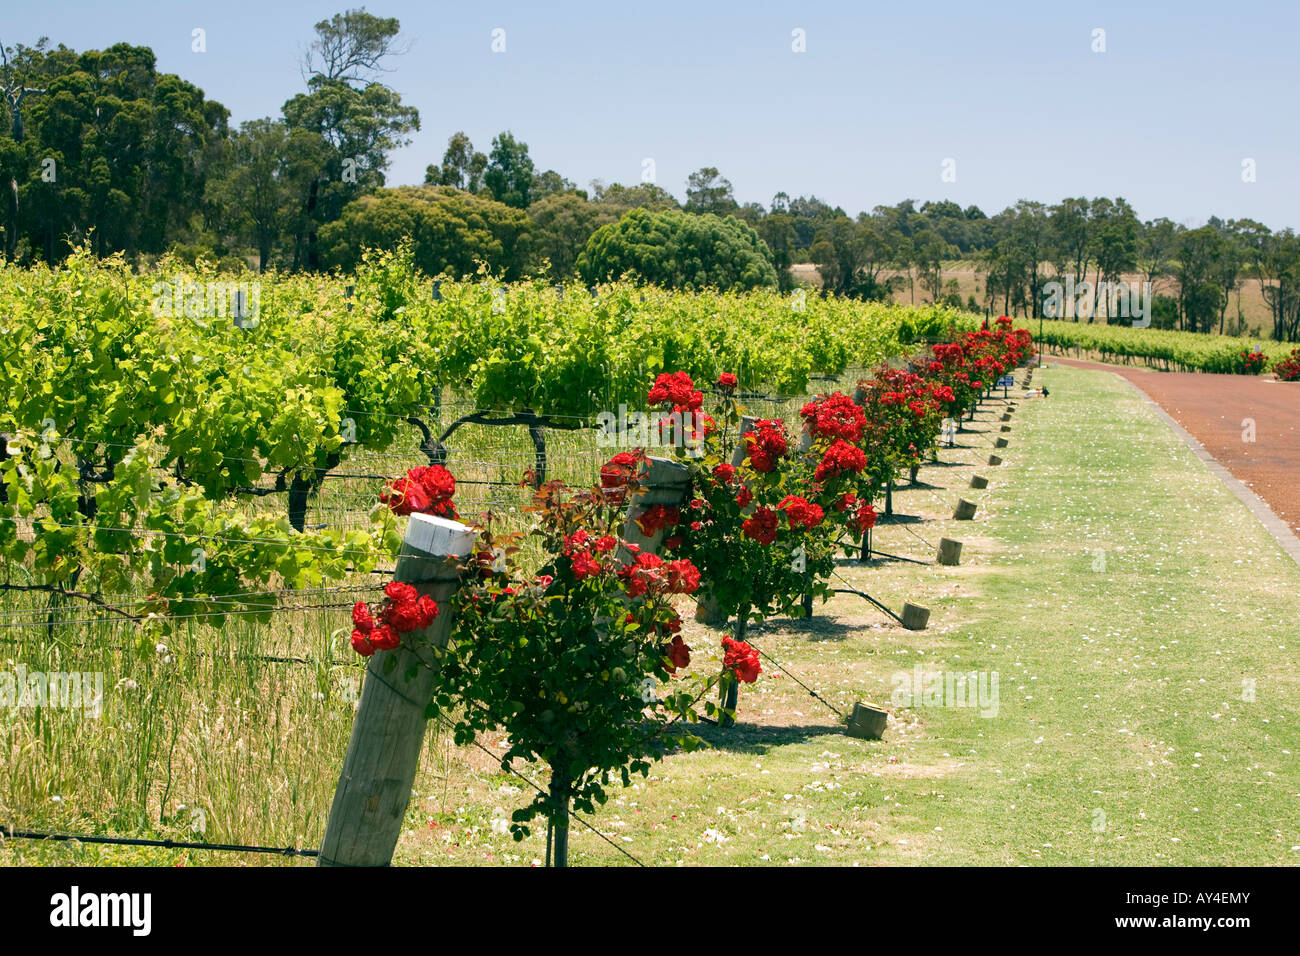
<point>1158,348</point>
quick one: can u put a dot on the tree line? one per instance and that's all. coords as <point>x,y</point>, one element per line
<point>101,147</point>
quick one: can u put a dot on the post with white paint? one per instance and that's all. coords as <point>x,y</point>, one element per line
<point>375,786</point>
<point>662,482</point>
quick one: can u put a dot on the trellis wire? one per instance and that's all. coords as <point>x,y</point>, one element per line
<point>16,834</point>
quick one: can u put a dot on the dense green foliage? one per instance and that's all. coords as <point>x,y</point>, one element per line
<point>450,231</point>
<point>678,251</point>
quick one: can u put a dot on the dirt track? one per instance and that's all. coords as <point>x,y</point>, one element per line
<point>1214,408</point>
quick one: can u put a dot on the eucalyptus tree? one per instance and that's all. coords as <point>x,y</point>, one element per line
<point>358,120</point>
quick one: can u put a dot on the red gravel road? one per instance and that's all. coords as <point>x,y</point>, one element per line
<point>1213,407</point>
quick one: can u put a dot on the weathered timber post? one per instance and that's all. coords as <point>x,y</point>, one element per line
<point>375,786</point>
<point>731,695</point>
<point>965,509</point>
<point>867,721</point>
<point>663,482</point>
<point>949,551</point>
<point>707,609</point>
<point>915,617</point>
<point>747,423</point>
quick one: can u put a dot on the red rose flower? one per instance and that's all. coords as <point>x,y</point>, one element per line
<point>841,457</point>
<point>618,471</point>
<point>683,577</point>
<point>426,490</point>
<point>656,517</point>
<point>676,389</point>
<point>576,541</point>
<point>766,444</point>
<point>678,654</point>
<point>741,659</point>
<point>865,518</point>
<point>836,416</point>
<point>800,512</point>
<point>584,565</point>
<point>642,574</point>
<point>385,638</point>
<point>761,527</point>
<point>406,496</point>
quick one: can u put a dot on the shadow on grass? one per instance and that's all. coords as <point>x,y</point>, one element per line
<point>747,738</point>
<point>897,518</point>
<point>878,560</point>
<point>816,628</point>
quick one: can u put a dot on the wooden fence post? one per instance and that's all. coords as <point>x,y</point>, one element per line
<point>707,610</point>
<point>375,786</point>
<point>747,424</point>
<point>663,482</point>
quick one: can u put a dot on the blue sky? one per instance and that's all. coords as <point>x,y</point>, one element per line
<point>1012,92</point>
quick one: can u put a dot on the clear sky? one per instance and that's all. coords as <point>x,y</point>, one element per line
<point>1012,92</point>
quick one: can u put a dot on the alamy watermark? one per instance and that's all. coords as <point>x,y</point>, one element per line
<point>1125,300</point>
<point>64,690</point>
<point>921,688</point>
<point>651,429</point>
<point>190,299</point>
